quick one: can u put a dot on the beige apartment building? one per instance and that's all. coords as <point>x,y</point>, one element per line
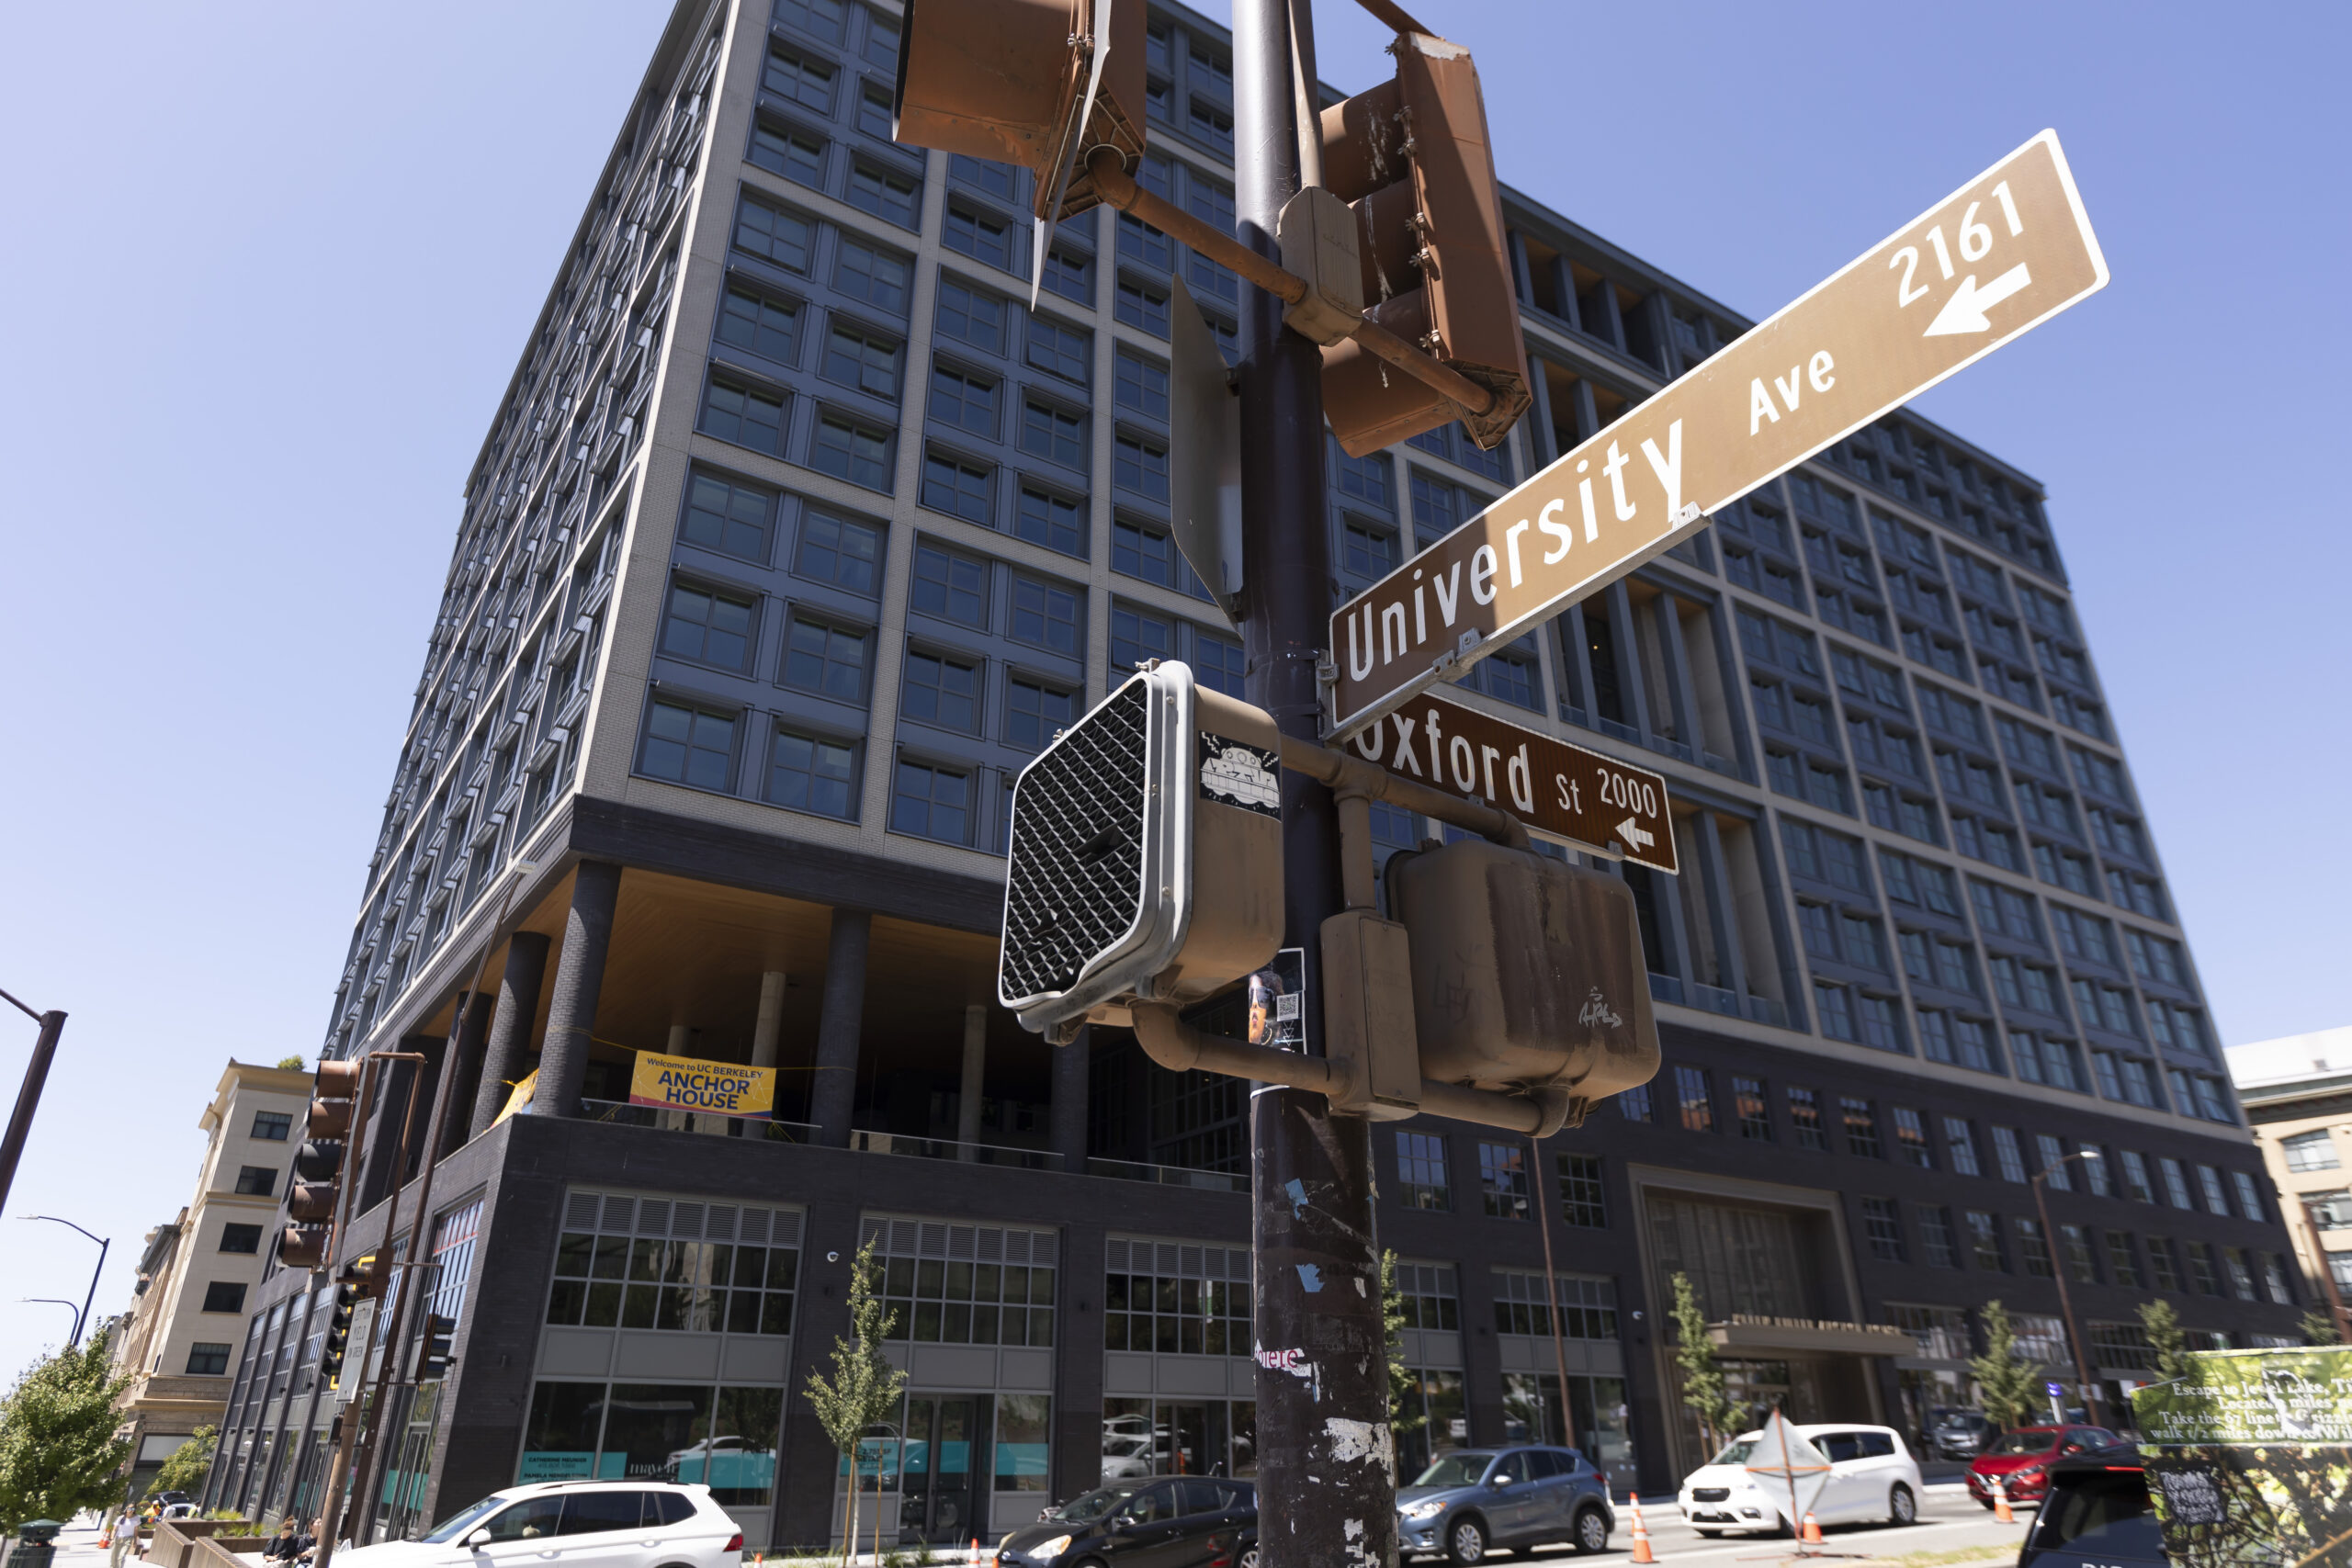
<point>178,1340</point>
<point>2298,1094</point>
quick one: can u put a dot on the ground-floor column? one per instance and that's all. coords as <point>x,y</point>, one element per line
<point>510,1026</point>
<point>468,1038</point>
<point>834,1094</point>
<point>579,976</point>
<point>770,1022</point>
<point>976,1063</point>
<point>1067,1119</point>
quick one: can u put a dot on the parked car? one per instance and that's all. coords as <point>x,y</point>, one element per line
<point>1471,1501</point>
<point>604,1524</point>
<point>1873,1479</point>
<point>2022,1459</point>
<point>1959,1434</point>
<point>1154,1521</point>
<point>2095,1514</point>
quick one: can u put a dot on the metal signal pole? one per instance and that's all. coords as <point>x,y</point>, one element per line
<point>1322,1442</point>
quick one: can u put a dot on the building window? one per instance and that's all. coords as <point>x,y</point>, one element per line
<point>241,1239</point>
<point>830,661</point>
<point>206,1358</point>
<point>889,195</point>
<point>707,627</point>
<point>2034,1248</point>
<point>1755,1116</point>
<point>1884,1225</point>
<point>1429,1296</point>
<point>2311,1151</point>
<point>2075,1247</point>
<point>730,518</point>
<point>606,1277</point>
<point>2121,1267</point>
<point>1936,1238</point>
<point>847,450</point>
<point>864,360</point>
<point>774,235</point>
<point>1959,1146</point>
<point>1142,386</point>
<point>224,1295</point>
<point>809,773</point>
<point>1147,553</point>
<point>257,1180</point>
<point>743,415</point>
<point>839,551</point>
<point>932,803</point>
<point>1695,1098</point>
<point>2249,1197</point>
<point>2175,1182</point>
<point>786,150</point>
<point>978,235</point>
<point>2052,1155</point>
<point>949,586</point>
<point>1060,350</point>
<point>1523,1305</point>
<point>271,1126</point>
<point>1636,1104</point>
<point>958,488</point>
<point>690,746</point>
<point>1048,615</point>
<point>965,401</point>
<point>1141,466</point>
<point>1502,1178</point>
<point>1136,637</point>
<point>1196,1303</point>
<point>1053,520</point>
<point>1143,306</point>
<point>2135,1176</point>
<point>1911,1137</point>
<point>2008,1155</point>
<point>792,77</point>
<point>1421,1171</point>
<point>1035,714</point>
<point>1216,662</point>
<point>759,325</point>
<point>941,691</point>
<point>1804,1120</point>
<point>968,315</point>
<point>2164,1266</point>
<point>1582,1202</point>
<point>1984,1239</point>
<point>1069,275</point>
<point>1862,1128</point>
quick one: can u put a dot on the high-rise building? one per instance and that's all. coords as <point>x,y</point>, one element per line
<point>796,535</point>
<point>2296,1092</point>
<point>199,1273</point>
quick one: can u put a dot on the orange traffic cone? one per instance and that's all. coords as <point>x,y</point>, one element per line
<point>1642,1552</point>
<point>1811,1528</point>
<point>977,1560</point>
<point>2001,1513</point>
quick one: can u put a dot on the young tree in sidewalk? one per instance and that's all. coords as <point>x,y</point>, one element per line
<point>1404,1412</point>
<point>1704,1390</point>
<point>59,1453</point>
<point>864,1387</point>
<point>2163,1326</point>
<point>2008,1386</point>
<point>184,1468</point>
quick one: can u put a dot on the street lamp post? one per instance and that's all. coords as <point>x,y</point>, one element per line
<point>82,1318</point>
<point>2091,1400</point>
<point>20,1119</point>
<point>52,1301</point>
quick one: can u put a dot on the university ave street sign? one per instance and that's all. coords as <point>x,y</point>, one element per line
<point>2005,253</point>
<point>1558,790</point>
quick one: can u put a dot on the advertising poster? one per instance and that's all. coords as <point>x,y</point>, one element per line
<point>683,1083</point>
<point>2249,1459</point>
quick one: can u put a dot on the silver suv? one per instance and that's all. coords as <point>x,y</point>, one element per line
<point>585,1523</point>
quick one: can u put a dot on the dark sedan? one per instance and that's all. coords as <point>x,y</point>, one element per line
<point>2096,1515</point>
<point>1472,1501</point>
<point>1144,1521</point>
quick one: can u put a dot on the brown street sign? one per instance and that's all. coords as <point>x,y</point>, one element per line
<point>1558,790</point>
<point>2002,254</point>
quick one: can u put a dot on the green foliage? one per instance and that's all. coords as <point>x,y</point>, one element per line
<point>1703,1389</point>
<point>1405,1411</point>
<point>864,1387</point>
<point>2163,1326</point>
<point>2007,1386</point>
<point>2320,1328</point>
<point>289,1063</point>
<point>185,1467</point>
<point>59,1453</point>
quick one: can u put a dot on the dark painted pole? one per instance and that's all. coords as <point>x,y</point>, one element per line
<point>20,1119</point>
<point>1323,1446</point>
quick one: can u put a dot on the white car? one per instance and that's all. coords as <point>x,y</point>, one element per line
<point>579,1524</point>
<point>1872,1479</point>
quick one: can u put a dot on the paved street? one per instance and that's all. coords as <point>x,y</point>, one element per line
<point>1948,1521</point>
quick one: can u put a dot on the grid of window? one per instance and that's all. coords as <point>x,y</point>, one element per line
<point>1882,1226</point>
<point>1582,1201</point>
<point>708,627</point>
<point>1502,1180</point>
<point>1588,1305</point>
<point>1860,1121</point>
<point>839,550</point>
<point>1694,1098</point>
<point>932,803</point>
<point>1959,1146</point>
<point>810,773</point>
<point>2009,1155</point>
<point>1428,1293</point>
<point>1035,714</point>
<point>953,1284</point>
<point>272,1126</point>
<point>1421,1171</point>
<point>1911,1138</point>
<point>1985,1242</point>
<point>826,659</point>
<point>631,1262</point>
<point>1937,1242</point>
<point>1804,1120</point>
<point>1748,1104</point>
<point>1176,1298</point>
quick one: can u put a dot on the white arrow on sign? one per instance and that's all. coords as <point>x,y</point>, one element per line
<point>1964,311</point>
<point>1634,834</point>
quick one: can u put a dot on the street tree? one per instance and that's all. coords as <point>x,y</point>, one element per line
<point>2008,1386</point>
<point>184,1468</point>
<point>864,1387</point>
<point>2163,1326</point>
<point>59,1453</point>
<point>1404,1412</point>
<point>1704,1388</point>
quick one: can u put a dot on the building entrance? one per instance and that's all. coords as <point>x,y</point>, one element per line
<point>935,1493</point>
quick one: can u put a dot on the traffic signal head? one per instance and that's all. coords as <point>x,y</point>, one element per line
<point>1145,857</point>
<point>318,1167</point>
<point>1412,157</point>
<point>438,1349</point>
<point>1006,79</point>
<point>1527,973</point>
<point>347,1298</point>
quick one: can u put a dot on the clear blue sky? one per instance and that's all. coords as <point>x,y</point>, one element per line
<point>273,264</point>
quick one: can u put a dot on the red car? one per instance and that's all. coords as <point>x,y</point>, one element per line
<point>2022,1460</point>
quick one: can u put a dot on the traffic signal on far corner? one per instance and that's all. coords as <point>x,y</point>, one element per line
<point>440,1349</point>
<point>347,1298</point>
<point>1008,80</point>
<point>318,1167</point>
<point>1412,157</point>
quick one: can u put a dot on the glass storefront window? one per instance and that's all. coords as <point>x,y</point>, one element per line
<point>608,1277</point>
<point>560,1439</point>
<point>721,1438</point>
<point>1443,1422</point>
<point>738,1460</point>
<point>941,1301</point>
<point>1188,1436</point>
<point>1022,1441</point>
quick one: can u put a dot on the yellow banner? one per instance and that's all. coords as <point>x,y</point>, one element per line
<point>683,1083</point>
<point>518,1098</point>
